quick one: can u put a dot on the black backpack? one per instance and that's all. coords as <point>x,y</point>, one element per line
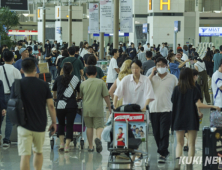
<point>15,109</point>
<point>35,47</point>
<point>129,108</point>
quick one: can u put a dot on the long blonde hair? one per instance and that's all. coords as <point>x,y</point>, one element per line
<point>125,69</point>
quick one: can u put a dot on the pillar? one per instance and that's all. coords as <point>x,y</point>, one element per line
<point>101,45</point>
<point>197,23</point>
<point>116,25</point>
<point>70,25</point>
<point>43,26</point>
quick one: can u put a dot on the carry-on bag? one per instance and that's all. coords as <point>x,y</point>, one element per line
<point>212,145</point>
<point>15,109</point>
<point>45,77</point>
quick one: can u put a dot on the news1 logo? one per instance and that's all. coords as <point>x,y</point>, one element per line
<point>161,4</point>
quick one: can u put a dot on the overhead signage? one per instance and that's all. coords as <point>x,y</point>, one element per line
<point>164,3</point>
<point>121,34</point>
<point>126,13</point>
<point>15,5</point>
<point>177,26</point>
<point>93,17</point>
<point>210,31</point>
<point>59,30</point>
<point>106,16</point>
<point>145,28</point>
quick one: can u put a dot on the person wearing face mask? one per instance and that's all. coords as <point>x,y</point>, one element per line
<point>52,61</point>
<point>175,64</point>
<point>160,109</point>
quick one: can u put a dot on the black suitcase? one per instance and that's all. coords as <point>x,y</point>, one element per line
<point>45,77</point>
<point>212,145</point>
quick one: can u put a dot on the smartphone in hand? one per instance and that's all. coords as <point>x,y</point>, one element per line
<point>51,131</point>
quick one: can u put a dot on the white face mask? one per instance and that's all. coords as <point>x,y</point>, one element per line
<point>162,70</point>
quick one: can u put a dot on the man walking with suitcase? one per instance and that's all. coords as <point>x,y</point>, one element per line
<point>35,96</point>
<point>160,109</point>
<point>8,74</point>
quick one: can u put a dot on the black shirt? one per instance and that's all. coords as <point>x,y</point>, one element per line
<point>85,57</point>
<point>52,60</point>
<point>34,92</point>
<point>60,88</point>
<point>79,57</point>
<point>184,113</point>
<point>31,56</point>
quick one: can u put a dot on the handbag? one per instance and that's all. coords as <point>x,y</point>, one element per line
<point>215,119</point>
<point>6,77</point>
<point>15,109</point>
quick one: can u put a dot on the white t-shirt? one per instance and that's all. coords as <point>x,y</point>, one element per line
<point>216,84</point>
<point>133,93</point>
<point>163,90</point>
<point>12,74</point>
<point>184,58</point>
<point>112,74</point>
<point>201,66</point>
<point>84,51</point>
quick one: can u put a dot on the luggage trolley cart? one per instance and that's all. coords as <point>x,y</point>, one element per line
<point>78,126</point>
<point>131,146</point>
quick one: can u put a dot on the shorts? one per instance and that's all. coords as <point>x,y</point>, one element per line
<point>94,122</point>
<point>28,140</point>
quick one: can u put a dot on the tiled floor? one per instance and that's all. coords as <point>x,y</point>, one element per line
<point>78,159</point>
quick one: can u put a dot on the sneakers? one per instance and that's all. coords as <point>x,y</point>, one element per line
<point>161,159</point>
<point>98,143</point>
<point>6,144</point>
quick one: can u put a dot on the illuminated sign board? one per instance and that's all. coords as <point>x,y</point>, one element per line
<point>164,3</point>
<point>210,31</point>
<point>150,4</point>
<point>161,4</point>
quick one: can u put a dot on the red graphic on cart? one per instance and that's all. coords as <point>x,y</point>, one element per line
<point>131,117</point>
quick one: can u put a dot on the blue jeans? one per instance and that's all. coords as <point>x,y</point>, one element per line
<point>53,71</point>
<point>9,125</point>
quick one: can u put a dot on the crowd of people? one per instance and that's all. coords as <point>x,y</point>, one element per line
<point>146,75</point>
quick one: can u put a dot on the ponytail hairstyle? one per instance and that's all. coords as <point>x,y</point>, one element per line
<point>198,59</point>
<point>67,69</point>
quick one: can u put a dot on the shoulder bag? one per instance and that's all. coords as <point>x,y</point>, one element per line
<point>15,109</point>
<point>6,78</point>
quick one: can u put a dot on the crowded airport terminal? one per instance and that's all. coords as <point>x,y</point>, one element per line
<point>111,84</point>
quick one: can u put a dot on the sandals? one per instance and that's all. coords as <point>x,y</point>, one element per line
<point>66,149</point>
<point>61,148</point>
<point>91,150</point>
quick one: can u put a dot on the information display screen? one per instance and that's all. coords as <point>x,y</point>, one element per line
<point>15,5</point>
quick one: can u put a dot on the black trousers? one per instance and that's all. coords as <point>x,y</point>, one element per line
<point>161,123</point>
<point>70,115</point>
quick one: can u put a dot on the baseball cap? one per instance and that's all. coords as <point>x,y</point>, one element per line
<point>22,50</point>
<point>53,49</point>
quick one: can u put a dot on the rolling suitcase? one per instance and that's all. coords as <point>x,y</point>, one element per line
<point>212,145</point>
<point>45,77</point>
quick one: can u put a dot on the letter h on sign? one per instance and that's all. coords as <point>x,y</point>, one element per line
<point>164,3</point>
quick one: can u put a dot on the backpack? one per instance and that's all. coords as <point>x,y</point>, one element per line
<point>15,109</point>
<point>35,47</point>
